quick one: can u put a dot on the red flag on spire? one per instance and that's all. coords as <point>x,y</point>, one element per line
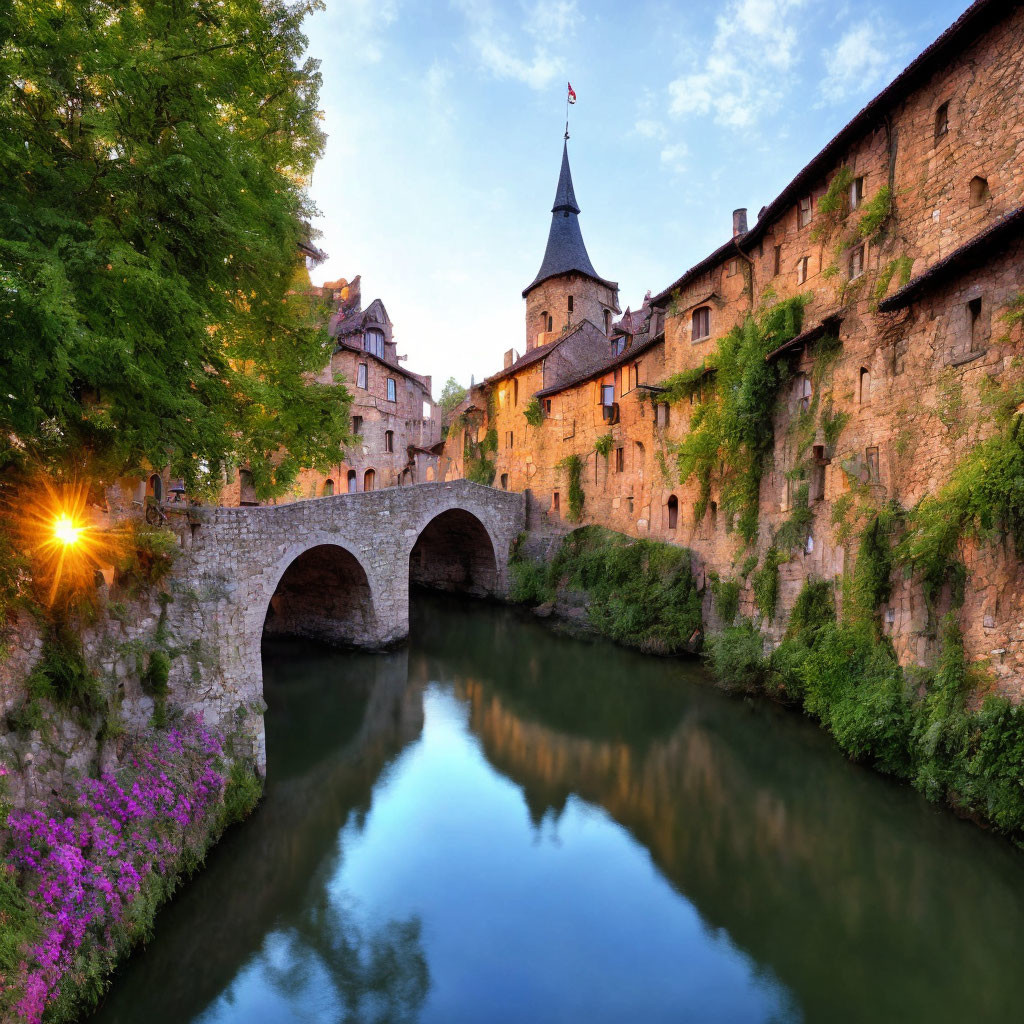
<point>572,93</point>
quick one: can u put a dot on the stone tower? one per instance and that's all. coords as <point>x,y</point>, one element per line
<point>566,289</point>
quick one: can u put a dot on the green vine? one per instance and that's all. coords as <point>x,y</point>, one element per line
<point>765,583</point>
<point>534,413</point>
<point>603,445</point>
<point>573,467</point>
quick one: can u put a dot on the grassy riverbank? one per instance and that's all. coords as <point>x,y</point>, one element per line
<point>82,878</point>
<point>930,727</point>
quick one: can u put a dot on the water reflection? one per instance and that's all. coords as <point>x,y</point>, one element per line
<point>502,824</point>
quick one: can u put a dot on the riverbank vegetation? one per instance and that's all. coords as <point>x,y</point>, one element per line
<point>83,876</point>
<point>639,593</point>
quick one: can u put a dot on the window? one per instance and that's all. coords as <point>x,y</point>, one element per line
<point>803,392</point>
<point>357,425</point>
<point>544,321</point>
<point>504,481</point>
<point>871,461</point>
<point>732,267</point>
<point>392,390</point>
<point>941,121</point>
<point>778,261</point>
<point>619,345</point>
<point>156,486</point>
<point>856,192</point>
<point>328,488</point>
<point>620,460</point>
<point>979,190</point>
<point>607,320</point>
<point>570,305</point>
<point>352,481</point>
<point>636,375</point>
<point>551,323</point>
<point>389,440</point>
<point>856,262</point>
<point>673,512</point>
<point>508,438</point>
<point>804,212</point>
<point>661,414</point>
<point>361,376</point>
<point>801,269</point>
<point>701,325</point>
<point>369,479</point>
<point>515,391</point>
<point>864,389</point>
<point>607,394</point>
<point>547,406</point>
<point>373,342</point>
<point>427,411</point>
<point>974,322</point>
<point>554,502</point>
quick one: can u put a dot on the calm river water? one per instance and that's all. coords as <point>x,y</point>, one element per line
<point>500,824</point>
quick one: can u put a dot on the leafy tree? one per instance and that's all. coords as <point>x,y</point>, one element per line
<point>453,394</point>
<point>154,159</point>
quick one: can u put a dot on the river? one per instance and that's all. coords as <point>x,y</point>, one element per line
<point>497,823</point>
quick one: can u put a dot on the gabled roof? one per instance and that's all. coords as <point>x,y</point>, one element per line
<point>565,252</point>
<point>533,356</point>
<point>706,264</point>
<point>640,345</point>
<point>983,245</point>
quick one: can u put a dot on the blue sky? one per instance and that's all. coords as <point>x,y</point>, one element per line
<point>445,122</point>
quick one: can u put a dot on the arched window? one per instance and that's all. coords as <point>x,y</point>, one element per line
<point>701,323</point>
<point>551,323</point>
<point>368,480</point>
<point>504,481</point>
<point>544,321</point>
<point>352,487</point>
<point>156,488</point>
<point>328,488</point>
<point>864,387</point>
<point>979,190</point>
<point>673,512</point>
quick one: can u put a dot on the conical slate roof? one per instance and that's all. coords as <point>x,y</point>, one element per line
<point>565,252</point>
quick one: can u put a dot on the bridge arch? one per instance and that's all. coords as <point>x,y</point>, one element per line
<point>455,551</point>
<point>323,591</point>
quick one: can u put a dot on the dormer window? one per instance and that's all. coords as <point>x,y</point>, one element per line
<point>373,342</point>
<point>701,324</point>
<point>620,344</point>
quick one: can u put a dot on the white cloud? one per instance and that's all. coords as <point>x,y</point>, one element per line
<point>648,128</point>
<point>859,63</point>
<point>746,67</point>
<point>533,60</point>
<point>674,157</point>
<point>361,24</point>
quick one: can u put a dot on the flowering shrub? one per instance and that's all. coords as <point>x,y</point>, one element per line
<point>94,868</point>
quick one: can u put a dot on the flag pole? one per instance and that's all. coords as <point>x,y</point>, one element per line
<point>567,114</point>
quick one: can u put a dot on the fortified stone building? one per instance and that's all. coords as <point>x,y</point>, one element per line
<point>905,236</point>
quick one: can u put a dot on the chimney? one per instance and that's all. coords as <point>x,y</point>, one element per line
<point>510,357</point>
<point>739,222</point>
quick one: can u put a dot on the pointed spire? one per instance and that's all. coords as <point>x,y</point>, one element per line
<point>565,252</point>
<point>565,197</point>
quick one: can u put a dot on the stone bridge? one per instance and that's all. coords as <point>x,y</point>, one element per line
<point>337,569</point>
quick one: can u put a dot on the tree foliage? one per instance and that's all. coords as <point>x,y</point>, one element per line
<point>453,394</point>
<point>154,159</point>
